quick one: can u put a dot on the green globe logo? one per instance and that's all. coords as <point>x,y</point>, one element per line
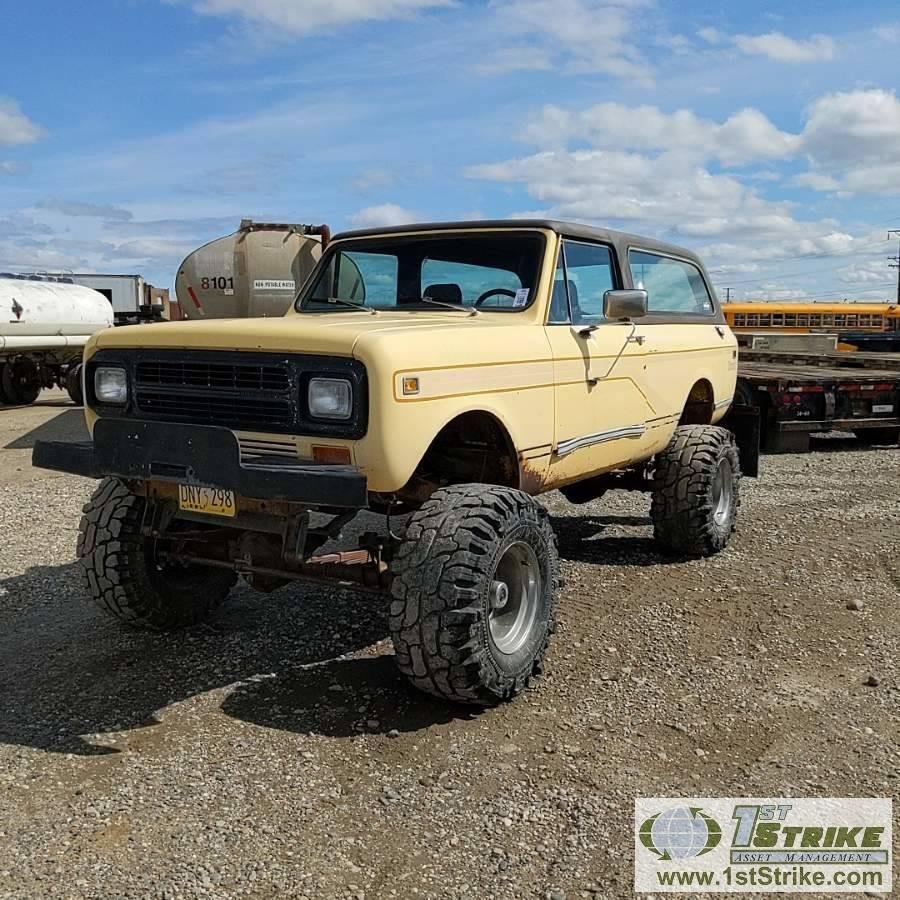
<point>681,833</point>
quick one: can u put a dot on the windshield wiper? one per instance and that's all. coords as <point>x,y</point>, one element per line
<point>456,307</point>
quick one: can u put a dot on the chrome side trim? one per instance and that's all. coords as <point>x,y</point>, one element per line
<point>601,437</point>
<point>727,402</point>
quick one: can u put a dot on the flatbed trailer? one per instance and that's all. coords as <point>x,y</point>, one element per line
<point>796,394</point>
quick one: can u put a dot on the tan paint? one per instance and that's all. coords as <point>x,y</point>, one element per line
<point>545,384</point>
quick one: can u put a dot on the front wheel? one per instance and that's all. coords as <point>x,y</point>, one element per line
<point>696,491</point>
<point>474,593</point>
<point>127,580</point>
<point>74,386</point>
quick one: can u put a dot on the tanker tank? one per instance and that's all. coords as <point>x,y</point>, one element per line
<point>44,324</point>
<point>254,272</point>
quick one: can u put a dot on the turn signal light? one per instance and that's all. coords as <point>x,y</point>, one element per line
<point>333,456</point>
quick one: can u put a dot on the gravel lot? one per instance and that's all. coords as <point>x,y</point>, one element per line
<point>275,751</point>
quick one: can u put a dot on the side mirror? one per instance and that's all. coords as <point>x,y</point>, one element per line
<point>624,304</point>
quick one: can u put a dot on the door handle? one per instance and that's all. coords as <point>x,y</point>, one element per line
<point>637,339</point>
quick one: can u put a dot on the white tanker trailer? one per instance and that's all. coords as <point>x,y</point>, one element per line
<point>44,325</point>
<point>255,272</point>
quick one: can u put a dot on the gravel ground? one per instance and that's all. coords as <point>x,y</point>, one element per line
<point>275,751</point>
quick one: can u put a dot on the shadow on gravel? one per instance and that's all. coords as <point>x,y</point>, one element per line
<point>68,672</point>
<point>340,698</point>
<point>581,539</point>
<point>67,426</point>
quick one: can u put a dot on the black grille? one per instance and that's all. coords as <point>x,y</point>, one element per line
<point>213,375</point>
<point>248,395</point>
<point>236,412</point>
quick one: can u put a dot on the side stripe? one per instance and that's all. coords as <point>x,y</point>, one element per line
<point>600,437</point>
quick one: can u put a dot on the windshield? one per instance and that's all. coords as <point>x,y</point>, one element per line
<point>484,271</point>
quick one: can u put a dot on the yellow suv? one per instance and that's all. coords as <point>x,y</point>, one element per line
<point>446,372</point>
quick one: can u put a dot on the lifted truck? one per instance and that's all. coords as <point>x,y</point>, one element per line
<point>795,394</point>
<point>451,372</point>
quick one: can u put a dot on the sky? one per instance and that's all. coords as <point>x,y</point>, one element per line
<point>765,137</point>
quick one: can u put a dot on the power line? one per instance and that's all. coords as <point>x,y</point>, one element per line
<point>822,295</point>
<point>775,262</point>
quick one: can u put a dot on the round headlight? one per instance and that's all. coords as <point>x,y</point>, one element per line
<point>111,385</point>
<point>330,398</point>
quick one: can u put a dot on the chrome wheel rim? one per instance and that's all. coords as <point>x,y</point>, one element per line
<point>514,597</point>
<point>722,492</point>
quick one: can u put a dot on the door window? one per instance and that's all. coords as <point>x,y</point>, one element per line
<point>583,275</point>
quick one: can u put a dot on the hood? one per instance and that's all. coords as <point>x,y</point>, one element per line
<point>324,333</point>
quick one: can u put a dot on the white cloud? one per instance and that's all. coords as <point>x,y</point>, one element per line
<point>711,35</point>
<point>780,47</point>
<point>816,181</point>
<point>660,192</point>
<point>890,34</point>
<point>745,136</point>
<point>582,35</point>
<point>865,273</point>
<point>853,142</point>
<point>15,126</point>
<point>386,214</point>
<point>296,19</point>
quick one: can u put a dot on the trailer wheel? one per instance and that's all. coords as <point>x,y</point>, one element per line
<point>695,491</point>
<point>124,577</point>
<point>21,381</point>
<point>73,385</point>
<point>878,436</point>
<point>474,593</point>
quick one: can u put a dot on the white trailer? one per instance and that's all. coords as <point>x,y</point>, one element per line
<point>44,324</point>
<point>131,297</point>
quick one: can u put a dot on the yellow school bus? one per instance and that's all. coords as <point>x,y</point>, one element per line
<point>819,317</point>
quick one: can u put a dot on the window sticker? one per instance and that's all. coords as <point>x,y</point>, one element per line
<point>522,296</point>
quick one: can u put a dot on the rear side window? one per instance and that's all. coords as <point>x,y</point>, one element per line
<point>672,285</point>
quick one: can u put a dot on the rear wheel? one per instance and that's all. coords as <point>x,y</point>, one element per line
<point>21,380</point>
<point>881,436</point>
<point>125,576</point>
<point>474,593</point>
<point>695,491</point>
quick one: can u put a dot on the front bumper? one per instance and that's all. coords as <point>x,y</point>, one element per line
<point>200,455</point>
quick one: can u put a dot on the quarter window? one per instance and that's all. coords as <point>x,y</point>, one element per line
<point>672,285</point>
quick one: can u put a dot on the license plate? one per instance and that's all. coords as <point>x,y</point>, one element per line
<point>882,408</point>
<point>212,501</point>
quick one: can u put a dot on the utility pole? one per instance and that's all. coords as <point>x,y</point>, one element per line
<point>728,295</point>
<point>895,264</point>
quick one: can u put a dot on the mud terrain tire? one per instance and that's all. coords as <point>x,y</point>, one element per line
<point>474,593</point>
<point>696,491</point>
<point>124,579</point>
